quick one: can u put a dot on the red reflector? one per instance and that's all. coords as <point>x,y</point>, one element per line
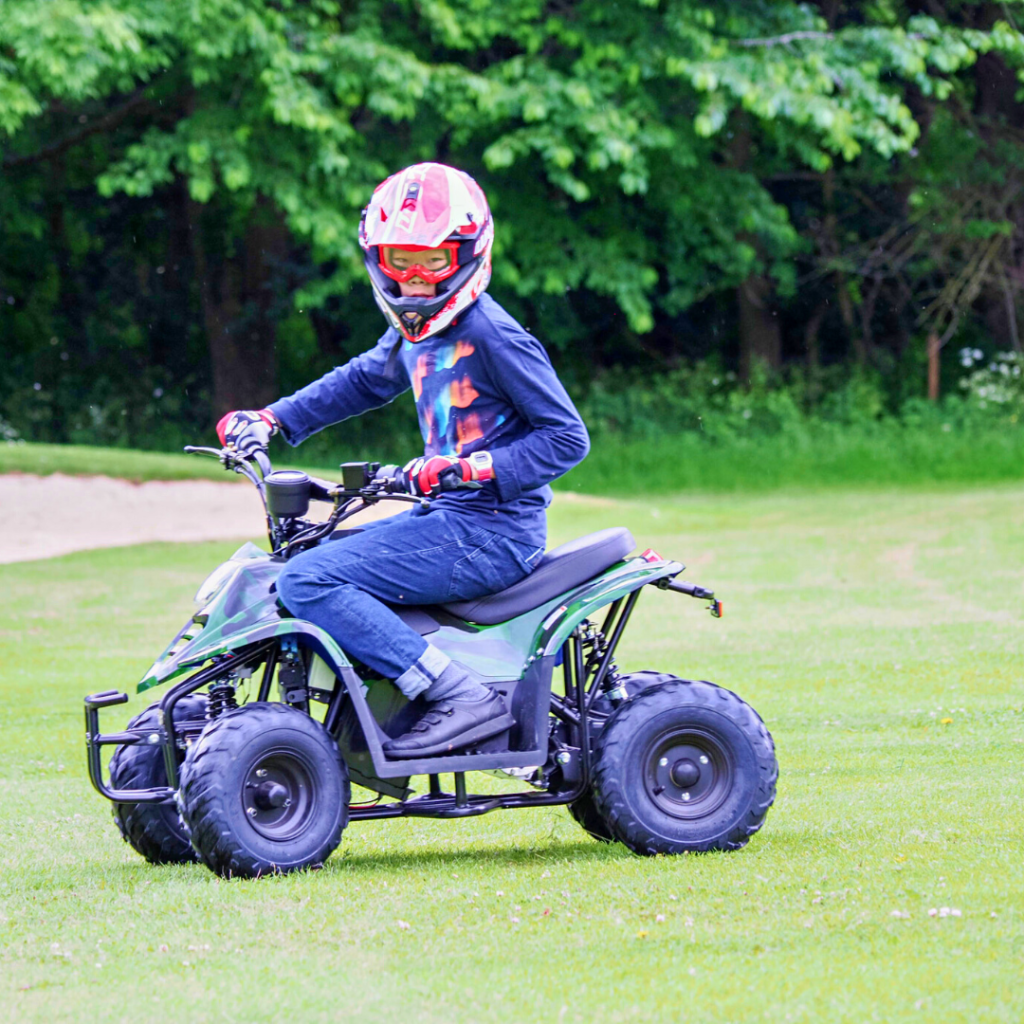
<point>650,555</point>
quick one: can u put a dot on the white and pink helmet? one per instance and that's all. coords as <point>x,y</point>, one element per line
<point>428,206</point>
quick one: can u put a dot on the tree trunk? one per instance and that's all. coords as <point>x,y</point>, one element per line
<point>760,334</point>
<point>812,347</point>
<point>934,349</point>
<point>831,249</point>
<point>239,313</point>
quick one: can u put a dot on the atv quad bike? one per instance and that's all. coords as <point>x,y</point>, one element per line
<point>253,778</point>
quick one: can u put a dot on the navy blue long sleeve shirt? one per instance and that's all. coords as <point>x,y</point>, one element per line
<point>483,384</point>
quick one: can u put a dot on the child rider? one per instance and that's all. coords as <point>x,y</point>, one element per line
<point>490,409</point>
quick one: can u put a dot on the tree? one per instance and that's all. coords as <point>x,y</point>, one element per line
<point>639,154</point>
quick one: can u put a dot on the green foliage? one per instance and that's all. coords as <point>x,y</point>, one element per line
<point>643,160</point>
<point>613,102</point>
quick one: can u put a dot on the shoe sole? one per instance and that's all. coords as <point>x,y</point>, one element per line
<point>484,731</point>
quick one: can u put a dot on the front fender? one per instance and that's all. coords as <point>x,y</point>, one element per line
<point>246,611</point>
<point>579,605</point>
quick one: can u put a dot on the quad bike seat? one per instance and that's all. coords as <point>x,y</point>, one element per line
<point>559,570</point>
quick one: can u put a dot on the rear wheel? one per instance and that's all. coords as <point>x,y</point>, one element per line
<point>265,791</point>
<point>584,810</point>
<point>154,830</point>
<point>684,766</point>
<point>589,818</point>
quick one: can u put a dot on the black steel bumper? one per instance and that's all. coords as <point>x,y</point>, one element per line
<point>94,740</point>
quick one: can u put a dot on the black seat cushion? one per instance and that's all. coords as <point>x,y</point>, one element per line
<point>558,571</point>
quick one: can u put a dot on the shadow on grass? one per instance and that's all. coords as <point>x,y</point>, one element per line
<point>82,879</point>
<point>511,856</point>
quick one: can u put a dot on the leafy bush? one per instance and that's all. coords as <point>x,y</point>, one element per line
<point>998,385</point>
<point>697,428</point>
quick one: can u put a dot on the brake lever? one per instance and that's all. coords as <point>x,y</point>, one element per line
<point>191,449</point>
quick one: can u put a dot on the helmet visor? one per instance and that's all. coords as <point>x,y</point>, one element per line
<point>430,264</point>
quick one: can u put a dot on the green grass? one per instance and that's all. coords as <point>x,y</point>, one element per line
<point>855,622</point>
<point>831,456</point>
<point>85,460</point>
<point>128,463</point>
<point>836,457</point>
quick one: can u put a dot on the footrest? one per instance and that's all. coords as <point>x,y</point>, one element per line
<point>446,807</point>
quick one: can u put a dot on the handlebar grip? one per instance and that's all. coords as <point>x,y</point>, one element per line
<point>391,480</point>
<point>105,699</point>
<point>451,480</point>
<point>691,590</point>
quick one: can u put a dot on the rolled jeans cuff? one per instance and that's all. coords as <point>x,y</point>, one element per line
<point>423,671</point>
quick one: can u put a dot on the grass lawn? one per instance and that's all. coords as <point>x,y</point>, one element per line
<point>880,635</point>
<point>835,458</point>
<point>128,463</point>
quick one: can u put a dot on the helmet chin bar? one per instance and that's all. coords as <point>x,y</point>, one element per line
<point>423,308</point>
<point>413,321</point>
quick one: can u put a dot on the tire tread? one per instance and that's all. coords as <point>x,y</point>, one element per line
<point>610,753</point>
<point>148,828</point>
<point>202,791</point>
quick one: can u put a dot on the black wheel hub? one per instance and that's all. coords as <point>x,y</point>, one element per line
<point>278,795</point>
<point>687,773</point>
<point>684,773</point>
<point>270,795</point>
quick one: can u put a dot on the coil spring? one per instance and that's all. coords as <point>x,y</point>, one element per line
<point>221,699</point>
<point>598,644</point>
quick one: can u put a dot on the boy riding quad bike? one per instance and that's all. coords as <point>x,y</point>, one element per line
<point>430,638</point>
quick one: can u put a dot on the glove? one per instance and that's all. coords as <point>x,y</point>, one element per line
<point>429,476</point>
<point>247,429</point>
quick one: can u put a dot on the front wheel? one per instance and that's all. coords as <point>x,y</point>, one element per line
<point>684,767</point>
<point>264,791</point>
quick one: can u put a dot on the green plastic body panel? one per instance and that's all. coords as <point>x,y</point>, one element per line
<point>245,610</point>
<point>617,582</point>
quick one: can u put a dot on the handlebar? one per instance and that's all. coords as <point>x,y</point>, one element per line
<point>287,530</point>
<point>358,483</point>
<point>383,484</point>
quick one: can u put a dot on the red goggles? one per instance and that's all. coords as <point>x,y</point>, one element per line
<point>403,263</point>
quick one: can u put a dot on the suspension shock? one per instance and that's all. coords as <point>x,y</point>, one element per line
<point>594,639</point>
<point>221,698</point>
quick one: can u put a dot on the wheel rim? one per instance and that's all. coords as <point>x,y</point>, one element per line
<point>687,773</point>
<point>279,795</point>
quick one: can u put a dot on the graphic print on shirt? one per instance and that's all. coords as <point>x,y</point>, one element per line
<point>443,387</point>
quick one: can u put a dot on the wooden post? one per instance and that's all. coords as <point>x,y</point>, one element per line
<point>934,347</point>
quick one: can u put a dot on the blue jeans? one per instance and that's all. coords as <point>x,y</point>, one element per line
<point>409,559</point>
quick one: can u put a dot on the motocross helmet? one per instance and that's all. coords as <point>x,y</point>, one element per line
<point>428,206</point>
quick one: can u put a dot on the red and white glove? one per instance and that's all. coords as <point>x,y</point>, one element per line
<point>429,476</point>
<point>247,429</point>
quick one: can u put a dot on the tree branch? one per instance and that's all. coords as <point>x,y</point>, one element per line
<point>108,121</point>
<point>793,37</point>
<point>785,40</point>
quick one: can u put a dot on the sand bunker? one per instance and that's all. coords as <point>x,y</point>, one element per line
<point>45,516</point>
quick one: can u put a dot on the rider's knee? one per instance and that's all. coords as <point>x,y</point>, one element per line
<point>304,578</point>
<point>296,583</point>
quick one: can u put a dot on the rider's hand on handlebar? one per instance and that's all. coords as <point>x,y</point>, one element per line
<point>247,429</point>
<point>429,476</point>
